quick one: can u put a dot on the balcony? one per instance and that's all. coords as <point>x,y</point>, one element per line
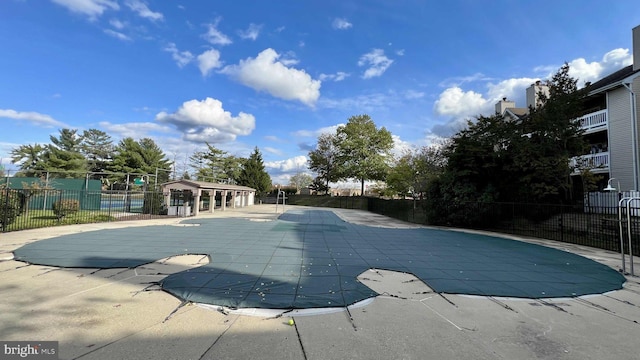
<point>597,163</point>
<point>595,121</point>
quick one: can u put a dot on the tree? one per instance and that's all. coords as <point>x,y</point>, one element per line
<point>363,150</point>
<point>402,175</point>
<point>300,180</point>
<point>499,159</point>
<point>30,157</point>
<point>550,136</point>
<point>318,185</point>
<point>215,165</point>
<point>97,147</point>
<point>323,160</point>
<point>253,174</point>
<point>141,157</point>
<point>413,171</point>
<point>67,140</point>
<point>63,158</point>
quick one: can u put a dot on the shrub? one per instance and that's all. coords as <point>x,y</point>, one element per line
<point>154,204</point>
<point>10,207</point>
<point>64,207</point>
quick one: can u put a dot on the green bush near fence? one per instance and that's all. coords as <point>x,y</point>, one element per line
<point>154,204</point>
<point>10,207</point>
<point>64,207</point>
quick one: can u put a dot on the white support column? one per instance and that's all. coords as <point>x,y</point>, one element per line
<point>224,200</point>
<point>196,202</point>
<point>167,197</point>
<point>233,198</point>
<point>212,200</point>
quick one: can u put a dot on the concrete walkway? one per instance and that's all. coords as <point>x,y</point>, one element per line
<point>120,314</point>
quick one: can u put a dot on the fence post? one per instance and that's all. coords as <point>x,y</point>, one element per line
<point>560,223</point>
<point>6,209</point>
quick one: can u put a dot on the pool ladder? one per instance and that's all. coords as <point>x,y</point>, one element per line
<point>621,207</point>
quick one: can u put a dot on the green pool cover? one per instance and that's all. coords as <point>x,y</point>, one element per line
<point>311,258</point>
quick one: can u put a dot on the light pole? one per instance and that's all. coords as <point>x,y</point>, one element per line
<point>620,207</point>
<point>611,188</point>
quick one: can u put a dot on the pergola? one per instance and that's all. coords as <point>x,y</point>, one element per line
<point>241,196</point>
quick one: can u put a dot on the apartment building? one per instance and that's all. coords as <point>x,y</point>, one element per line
<point>610,123</point>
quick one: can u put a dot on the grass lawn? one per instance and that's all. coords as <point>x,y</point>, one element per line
<point>45,218</point>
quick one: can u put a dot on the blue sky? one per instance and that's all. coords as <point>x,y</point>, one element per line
<point>275,74</point>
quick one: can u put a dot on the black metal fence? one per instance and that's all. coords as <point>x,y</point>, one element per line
<point>587,226</point>
<point>22,209</point>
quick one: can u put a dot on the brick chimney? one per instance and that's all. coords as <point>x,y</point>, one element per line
<point>636,47</point>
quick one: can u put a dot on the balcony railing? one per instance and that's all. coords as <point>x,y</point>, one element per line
<point>594,121</point>
<point>598,162</point>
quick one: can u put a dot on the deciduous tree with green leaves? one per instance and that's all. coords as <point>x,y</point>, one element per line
<point>300,180</point>
<point>363,150</point>
<point>323,161</point>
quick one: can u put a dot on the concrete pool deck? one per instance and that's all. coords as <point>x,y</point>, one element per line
<point>105,314</point>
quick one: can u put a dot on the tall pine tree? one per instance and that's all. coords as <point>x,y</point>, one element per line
<point>253,174</point>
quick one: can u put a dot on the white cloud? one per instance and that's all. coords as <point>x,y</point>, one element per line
<point>206,120</point>
<point>456,102</point>
<point>208,61</point>
<point>341,24</point>
<point>412,94</point>
<point>251,33</point>
<point>215,36</point>
<point>117,24</point>
<point>590,72</point>
<point>90,8</point>
<point>316,133</point>
<point>584,71</point>
<point>141,8</point>
<point>366,103</point>
<point>273,150</point>
<point>376,61</point>
<point>513,89</point>
<point>400,147</point>
<point>289,165</point>
<point>266,73</point>
<point>117,35</point>
<point>136,130</point>
<point>400,52</point>
<point>32,117</point>
<point>339,76</point>
<point>272,138</point>
<point>181,58</point>
<point>459,80</point>
<point>460,104</point>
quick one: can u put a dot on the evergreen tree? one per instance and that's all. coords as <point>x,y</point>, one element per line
<point>140,157</point>
<point>63,158</point>
<point>97,147</point>
<point>31,159</point>
<point>253,174</point>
